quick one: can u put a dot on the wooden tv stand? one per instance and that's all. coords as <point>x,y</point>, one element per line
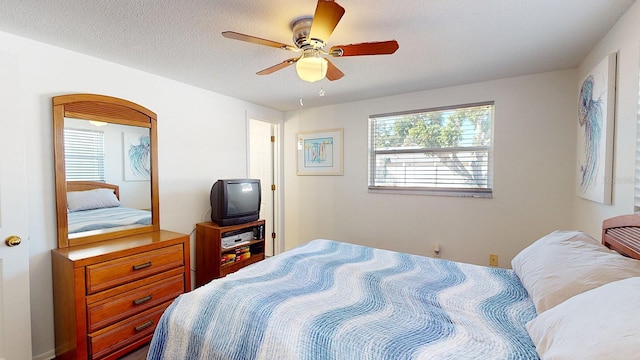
<point>209,250</point>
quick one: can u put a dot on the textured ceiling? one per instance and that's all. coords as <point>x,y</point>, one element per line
<point>442,43</point>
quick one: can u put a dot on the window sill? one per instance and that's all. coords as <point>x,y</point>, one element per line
<point>488,194</point>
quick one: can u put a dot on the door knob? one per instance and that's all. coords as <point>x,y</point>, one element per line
<point>13,240</point>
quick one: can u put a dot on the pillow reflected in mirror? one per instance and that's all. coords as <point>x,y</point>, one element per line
<point>91,199</point>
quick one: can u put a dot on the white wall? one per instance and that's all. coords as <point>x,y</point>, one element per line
<point>534,137</point>
<point>623,38</point>
<point>201,135</point>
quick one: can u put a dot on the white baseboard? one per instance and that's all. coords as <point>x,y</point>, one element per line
<point>49,355</point>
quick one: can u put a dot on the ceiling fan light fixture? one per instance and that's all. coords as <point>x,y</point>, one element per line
<point>311,68</point>
<point>310,34</point>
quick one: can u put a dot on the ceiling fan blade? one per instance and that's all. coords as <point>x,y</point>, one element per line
<point>328,14</point>
<point>277,67</point>
<point>333,73</point>
<point>256,40</point>
<point>368,48</point>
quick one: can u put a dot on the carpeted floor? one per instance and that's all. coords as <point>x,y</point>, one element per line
<point>140,354</point>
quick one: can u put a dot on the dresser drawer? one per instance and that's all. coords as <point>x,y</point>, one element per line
<point>119,335</point>
<point>127,304</point>
<point>130,268</point>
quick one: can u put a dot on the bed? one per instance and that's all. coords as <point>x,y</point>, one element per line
<point>568,296</point>
<point>95,206</point>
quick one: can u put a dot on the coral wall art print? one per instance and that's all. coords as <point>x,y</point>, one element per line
<point>137,157</point>
<point>320,152</point>
<point>596,108</point>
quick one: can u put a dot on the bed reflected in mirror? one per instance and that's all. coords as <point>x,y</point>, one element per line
<point>108,177</point>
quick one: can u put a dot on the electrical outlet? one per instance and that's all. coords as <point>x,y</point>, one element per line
<point>493,260</point>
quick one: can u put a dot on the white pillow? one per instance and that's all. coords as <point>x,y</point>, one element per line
<point>602,323</point>
<point>91,199</point>
<point>566,263</point>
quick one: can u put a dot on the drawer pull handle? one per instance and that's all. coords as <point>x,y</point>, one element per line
<point>142,266</point>
<point>144,326</point>
<point>142,300</point>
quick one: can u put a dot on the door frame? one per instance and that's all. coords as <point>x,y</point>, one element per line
<point>278,201</point>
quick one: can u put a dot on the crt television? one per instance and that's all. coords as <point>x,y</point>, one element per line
<point>235,201</point>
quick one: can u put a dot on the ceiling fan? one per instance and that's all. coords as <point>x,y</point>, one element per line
<point>309,36</point>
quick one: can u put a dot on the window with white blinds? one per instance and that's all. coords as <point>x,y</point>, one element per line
<point>84,155</point>
<point>443,151</point>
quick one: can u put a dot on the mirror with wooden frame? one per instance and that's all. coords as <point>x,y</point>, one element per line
<point>106,173</point>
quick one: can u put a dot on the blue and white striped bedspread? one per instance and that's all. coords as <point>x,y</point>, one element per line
<point>332,300</point>
<point>106,218</point>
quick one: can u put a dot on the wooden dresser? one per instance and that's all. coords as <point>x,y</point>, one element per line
<point>109,296</point>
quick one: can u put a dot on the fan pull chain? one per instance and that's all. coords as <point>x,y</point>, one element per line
<point>300,92</point>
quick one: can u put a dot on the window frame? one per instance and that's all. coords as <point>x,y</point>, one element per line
<point>481,192</point>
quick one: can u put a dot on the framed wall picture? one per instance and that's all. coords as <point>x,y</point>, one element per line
<point>319,152</point>
<point>137,157</point>
<point>596,108</point>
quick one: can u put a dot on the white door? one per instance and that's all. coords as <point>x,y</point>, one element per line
<point>261,166</point>
<point>15,319</point>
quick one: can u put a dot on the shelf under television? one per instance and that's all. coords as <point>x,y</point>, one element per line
<point>248,243</point>
<point>209,251</point>
<point>237,265</point>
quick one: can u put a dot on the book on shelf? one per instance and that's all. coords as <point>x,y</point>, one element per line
<point>227,258</point>
<point>239,254</point>
<point>243,256</point>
